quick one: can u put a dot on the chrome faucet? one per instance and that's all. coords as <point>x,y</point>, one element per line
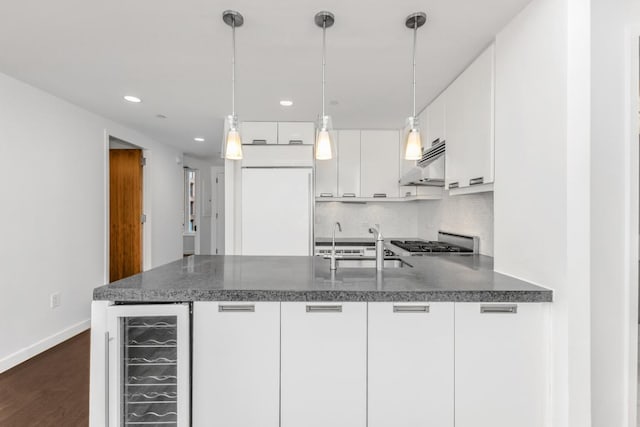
<point>379,246</point>
<point>333,245</point>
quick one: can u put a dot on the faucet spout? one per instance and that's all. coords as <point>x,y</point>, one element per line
<point>333,265</point>
<point>379,246</point>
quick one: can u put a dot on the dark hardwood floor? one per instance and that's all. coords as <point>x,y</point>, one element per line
<point>51,389</point>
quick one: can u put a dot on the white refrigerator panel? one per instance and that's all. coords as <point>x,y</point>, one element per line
<point>277,211</point>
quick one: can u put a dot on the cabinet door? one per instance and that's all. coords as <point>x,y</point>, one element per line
<point>327,172</point>
<point>324,364</point>
<point>456,133</point>
<point>469,124</point>
<point>259,132</point>
<point>296,133</point>
<point>500,365</point>
<point>236,364</point>
<point>411,357</point>
<point>380,172</point>
<point>435,120</point>
<point>349,163</point>
<point>477,160</point>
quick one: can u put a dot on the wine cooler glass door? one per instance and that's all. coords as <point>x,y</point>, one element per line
<point>149,365</point>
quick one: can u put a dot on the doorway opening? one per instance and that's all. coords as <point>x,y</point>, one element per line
<point>190,241</point>
<point>126,215</point>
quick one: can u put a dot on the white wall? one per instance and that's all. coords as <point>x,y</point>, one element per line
<point>470,214</point>
<point>395,219</point>
<point>542,176</point>
<point>615,28</point>
<point>53,158</point>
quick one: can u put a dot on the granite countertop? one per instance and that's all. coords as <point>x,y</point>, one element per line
<point>461,278</point>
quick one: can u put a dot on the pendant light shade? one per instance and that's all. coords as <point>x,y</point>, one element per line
<point>413,144</point>
<point>232,143</point>
<point>324,20</point>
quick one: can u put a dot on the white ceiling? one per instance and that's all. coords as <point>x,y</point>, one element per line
<point>175,55</point>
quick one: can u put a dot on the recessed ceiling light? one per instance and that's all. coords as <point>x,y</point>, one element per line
<point>133,99</point>
<point>286,103</point>
<point>198,139</point>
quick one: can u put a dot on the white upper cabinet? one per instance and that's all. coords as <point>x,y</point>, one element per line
<point>327,172</point>
<point>433,121</point>
<point>296,133</point>
<point>259,132</point>
<point>380,169</point>
<point>411,353</point>
<point>469,124</point>
<point>348,163</point>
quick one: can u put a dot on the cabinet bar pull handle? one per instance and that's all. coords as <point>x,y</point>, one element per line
<point>453,185</point>
<point>349,195</point>
<point>295,141</point>
<point>379,194</point>
<point>410,308</point>
<point>259,141</point>
<point>476,181</point>
<point>106,379</point>
<point>324,309</point>
<point>326,194</point>
<point>237,308</point>
<point>503,308</point>
<point>408,194</point>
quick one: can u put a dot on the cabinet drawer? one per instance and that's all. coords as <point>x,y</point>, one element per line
<point>263,133</point>
<point>296,133</point>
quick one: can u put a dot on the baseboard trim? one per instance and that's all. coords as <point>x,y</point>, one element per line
<point>27,353</point>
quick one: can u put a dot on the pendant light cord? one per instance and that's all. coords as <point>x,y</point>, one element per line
<point>233,68</point>
<point>324,62</point>
<point>415,33</point>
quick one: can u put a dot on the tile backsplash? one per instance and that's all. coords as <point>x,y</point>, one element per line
<point>470,214</point>
<point>395,219</point>
<point>467,214</point>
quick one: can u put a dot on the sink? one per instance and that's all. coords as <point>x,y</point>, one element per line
<point>362,262</point>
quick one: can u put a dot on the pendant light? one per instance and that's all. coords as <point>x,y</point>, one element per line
<point>233,143</point>
<point>324,20</point>
<point>413,146</point>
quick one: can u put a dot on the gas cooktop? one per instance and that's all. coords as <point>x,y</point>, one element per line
<point>421,246</point>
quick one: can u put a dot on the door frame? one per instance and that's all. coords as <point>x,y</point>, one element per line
<point>146,203</point>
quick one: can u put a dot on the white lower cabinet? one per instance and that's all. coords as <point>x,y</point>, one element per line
<point>324,364</point>
<point>500,369</point>
<point>236,362</point>
<point>411,358</point>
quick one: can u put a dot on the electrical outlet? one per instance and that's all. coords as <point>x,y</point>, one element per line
<point>54,300</point>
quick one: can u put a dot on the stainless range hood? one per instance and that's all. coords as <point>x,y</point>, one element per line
<point>429,170</point>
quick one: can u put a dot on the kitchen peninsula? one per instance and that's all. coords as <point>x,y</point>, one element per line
<point>283,341</point>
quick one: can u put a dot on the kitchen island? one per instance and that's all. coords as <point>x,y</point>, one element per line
<point>286,342</point>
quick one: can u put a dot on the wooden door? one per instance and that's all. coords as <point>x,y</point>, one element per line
<point>125,213</point>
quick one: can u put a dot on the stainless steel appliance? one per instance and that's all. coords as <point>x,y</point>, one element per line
<point>446,243</point>
<point>429,170</point>
<point>148,365</point>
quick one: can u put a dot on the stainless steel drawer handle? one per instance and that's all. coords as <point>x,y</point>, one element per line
<point>324,309</point>
<point>504,308</point>
<point>295,141</point>
<point>349,195</point>
<point>410,308</point>
<point>453,185</point>
<point>379,194</point>
<point>408,194</point>
<point>237,308</point>
<point>476,181</point>
<point>326,194</point>
<point>259,141</point>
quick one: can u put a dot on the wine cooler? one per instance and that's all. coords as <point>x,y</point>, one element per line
<point>148,364</point>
